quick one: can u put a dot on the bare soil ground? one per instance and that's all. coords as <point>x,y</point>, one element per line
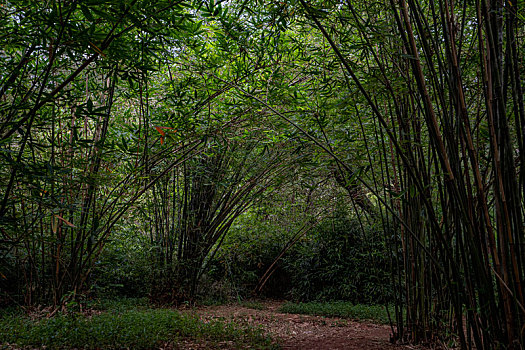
<point>302,331</point>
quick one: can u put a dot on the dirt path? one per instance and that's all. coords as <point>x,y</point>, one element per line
<point>306,332</point>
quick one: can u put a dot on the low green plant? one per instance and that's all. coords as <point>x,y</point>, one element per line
<point>118,304</point>
<point>250,304</point>
<point>377,313</point>
<point>136,329</point>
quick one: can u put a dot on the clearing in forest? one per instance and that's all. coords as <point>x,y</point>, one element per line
<point>302,331</point>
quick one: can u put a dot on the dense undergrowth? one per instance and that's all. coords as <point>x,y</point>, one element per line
<point>336,260</point>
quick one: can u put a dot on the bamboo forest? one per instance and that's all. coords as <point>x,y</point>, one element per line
<point>254,174</point>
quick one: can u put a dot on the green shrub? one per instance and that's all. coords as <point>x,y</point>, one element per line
<point>118,304</point>
<point>335,261</point>
<point>124,267</point>
<point>339,261</point>
<point>244,256</point>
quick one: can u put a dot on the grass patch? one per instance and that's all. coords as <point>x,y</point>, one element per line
<point>135,329</point>
<point>341,309</point>
<point>255,305</point>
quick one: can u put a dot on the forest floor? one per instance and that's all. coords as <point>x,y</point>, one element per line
<point>302,331</point>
